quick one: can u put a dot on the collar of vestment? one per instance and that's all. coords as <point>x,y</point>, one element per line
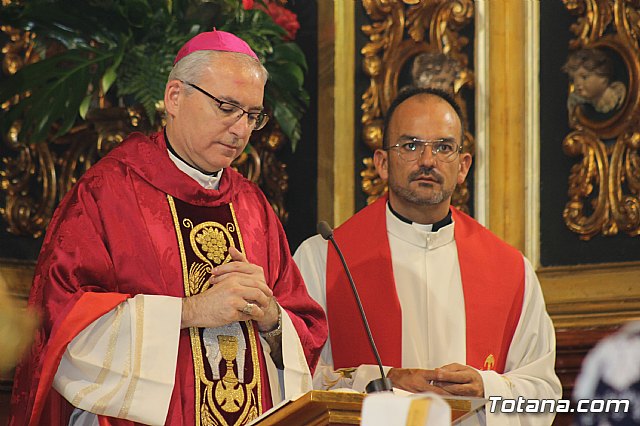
<point>148,157</point>
<point>207,180</point>
<point>429,226</point>
<point>418,234</point>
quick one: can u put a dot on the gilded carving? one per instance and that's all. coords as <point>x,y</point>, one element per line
<point>604,109</point>
<point>403,31</point>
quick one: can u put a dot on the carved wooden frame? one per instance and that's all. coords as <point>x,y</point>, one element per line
<point>582,300</point>
<point>604,187</point>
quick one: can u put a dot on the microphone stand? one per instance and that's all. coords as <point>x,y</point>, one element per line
<point>383,384</point>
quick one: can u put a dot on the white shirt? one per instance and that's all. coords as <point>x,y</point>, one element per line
<point>207,181</point>
<point>428,282</point>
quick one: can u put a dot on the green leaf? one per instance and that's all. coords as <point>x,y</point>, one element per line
<point>287,112</point>
<point>289,53</point>
<point>288,121</point>
<point>57,86</point>
<point>108,78</point>
<point>286,77</point>
<point>75,97</point>
<point>84,106</point>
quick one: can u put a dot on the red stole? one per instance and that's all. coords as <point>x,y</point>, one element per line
<point>492,279</point>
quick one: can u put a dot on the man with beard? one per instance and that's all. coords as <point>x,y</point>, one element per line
<point>167,289</point>
<point>452,308</point>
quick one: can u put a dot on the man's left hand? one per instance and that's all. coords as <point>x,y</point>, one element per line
<point>459,379</point>
<point>242,271</point>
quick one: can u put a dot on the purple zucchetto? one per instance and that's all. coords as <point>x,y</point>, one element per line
<point>215,40</point>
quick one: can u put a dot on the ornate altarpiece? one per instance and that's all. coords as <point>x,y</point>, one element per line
<point>604,187</point>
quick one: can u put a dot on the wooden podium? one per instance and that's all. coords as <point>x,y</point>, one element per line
<point>319,408</point>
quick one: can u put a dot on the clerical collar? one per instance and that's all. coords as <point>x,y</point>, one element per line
<point>173,151</point>
<point>206,180</point>
<point>434,228</point>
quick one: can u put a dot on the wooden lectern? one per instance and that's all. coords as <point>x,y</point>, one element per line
<point>319,408</point>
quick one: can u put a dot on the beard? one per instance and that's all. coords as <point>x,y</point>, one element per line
<point>435,196</point>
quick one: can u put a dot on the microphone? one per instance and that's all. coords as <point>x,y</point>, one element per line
<point>382,384</point>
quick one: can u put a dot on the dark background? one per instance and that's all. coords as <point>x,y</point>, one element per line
<point>302,198</point>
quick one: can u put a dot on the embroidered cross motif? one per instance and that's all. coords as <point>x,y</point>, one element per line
<point>489,362</point>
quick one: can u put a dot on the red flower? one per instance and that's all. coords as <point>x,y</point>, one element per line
<point>285,18</point>
<point>280,15</point>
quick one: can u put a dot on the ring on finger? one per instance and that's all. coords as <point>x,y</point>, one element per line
<point>248,308</point>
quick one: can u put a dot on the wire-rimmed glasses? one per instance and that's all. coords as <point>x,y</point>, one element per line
<point>231,113</point>
<point>411,149</point>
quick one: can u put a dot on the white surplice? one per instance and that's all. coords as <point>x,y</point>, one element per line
<point>428,282</point>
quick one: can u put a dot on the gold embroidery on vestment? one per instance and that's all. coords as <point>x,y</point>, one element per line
<point>128,399</point>
<point>198,273</point>
<point>206,417</point>
<point>183,255</point>
<point>229,395</point>
<point>210,242</point>
<point>233,214</point>
<point>489,362</point>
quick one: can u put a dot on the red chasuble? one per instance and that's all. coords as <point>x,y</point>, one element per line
<point>492,275</point>
<point>115,235</point>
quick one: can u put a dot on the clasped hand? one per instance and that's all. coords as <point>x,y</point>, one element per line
<point>233,285</point>
<point>452,379</point>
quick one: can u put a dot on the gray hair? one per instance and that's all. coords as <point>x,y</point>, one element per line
<point>191,67</point>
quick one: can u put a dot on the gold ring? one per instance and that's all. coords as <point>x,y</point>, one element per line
<point>248,308</point>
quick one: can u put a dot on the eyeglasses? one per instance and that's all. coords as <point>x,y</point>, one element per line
<point>411,149</point>
<point>231,113</point>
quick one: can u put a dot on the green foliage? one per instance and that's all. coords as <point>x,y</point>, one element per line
<point>144,71</point>
<point>124,50</point>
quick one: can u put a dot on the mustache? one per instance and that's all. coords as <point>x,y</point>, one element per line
<point>426,172</point>
<point>235,143</point>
